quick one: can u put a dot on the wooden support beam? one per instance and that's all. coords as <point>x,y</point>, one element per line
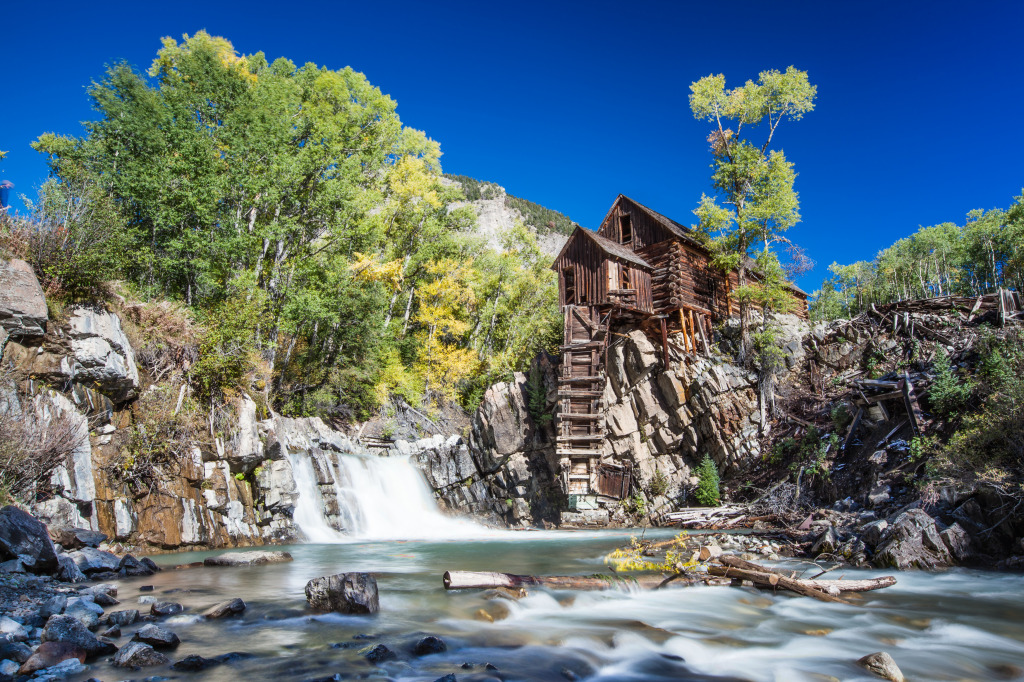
<point>664,342</point>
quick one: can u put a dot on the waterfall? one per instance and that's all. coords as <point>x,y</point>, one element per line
<point>378,498</point>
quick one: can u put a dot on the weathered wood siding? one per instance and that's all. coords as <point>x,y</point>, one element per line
<point>596,273</point>
<point>646,229</point>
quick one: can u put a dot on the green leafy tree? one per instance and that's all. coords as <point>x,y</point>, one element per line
<point>754,202</point>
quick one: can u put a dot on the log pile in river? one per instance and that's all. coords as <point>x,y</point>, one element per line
<point>726,569</point>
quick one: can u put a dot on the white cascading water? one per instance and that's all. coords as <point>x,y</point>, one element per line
<point>379,498</point>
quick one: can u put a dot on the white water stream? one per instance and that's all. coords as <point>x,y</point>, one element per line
<point>378,498</point>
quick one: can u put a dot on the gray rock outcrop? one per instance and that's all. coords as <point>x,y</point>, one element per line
<point>22,304</point>
<point>102,354</point>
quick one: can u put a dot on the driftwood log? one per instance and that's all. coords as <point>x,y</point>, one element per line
<point>460,580</point>
<point>823,590</point>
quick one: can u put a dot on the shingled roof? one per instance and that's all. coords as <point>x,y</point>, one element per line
<point>612,248</point>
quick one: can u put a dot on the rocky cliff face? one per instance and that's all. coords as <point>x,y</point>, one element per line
<point>494,219</point>
<point>660,421</point>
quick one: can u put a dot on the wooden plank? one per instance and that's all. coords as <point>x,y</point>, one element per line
<point>579,416</point>
<point>853,428</point>
<point>910,402</point>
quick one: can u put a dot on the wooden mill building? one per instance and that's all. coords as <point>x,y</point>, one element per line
<point>642,269</point>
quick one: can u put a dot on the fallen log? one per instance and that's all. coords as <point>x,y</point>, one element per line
<point>468,580</point>
<point>768,577</point>
<point>774,580</point>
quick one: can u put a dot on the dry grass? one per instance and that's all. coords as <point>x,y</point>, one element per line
<point>164,336</point>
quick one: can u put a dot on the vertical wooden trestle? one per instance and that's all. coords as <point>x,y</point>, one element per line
<point>580,418</point>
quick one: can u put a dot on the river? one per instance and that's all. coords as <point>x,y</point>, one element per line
<point>954,625</point>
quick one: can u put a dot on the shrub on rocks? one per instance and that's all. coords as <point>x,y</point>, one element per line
<point>344,593</point>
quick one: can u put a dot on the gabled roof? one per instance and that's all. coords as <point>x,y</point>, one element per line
<point>612,248</point>
<point>672,226</point>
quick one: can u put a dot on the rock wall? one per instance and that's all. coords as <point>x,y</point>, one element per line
<point>660,422</point>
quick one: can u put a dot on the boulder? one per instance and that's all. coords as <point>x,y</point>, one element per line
<point>344,593</point>
<point>70,630</point>
<point>254,558</point>
<point>377,653</point>
<point>130,566</point>
<point>872,532</point>
<point>13,629</point>
<point>224,609</point>
<point>429,645</point>
<point>101,354</point>
<point>957,541</point>
<point>18,652</point>
<point>156,637</point>
<point>194,664</point>
<point>77,538</point>
<point>125,617</point>
<point>22,304</point>
<point>878,496</point>
<point>827,543</point>
<point>68,570</point>
<point>912,541</point>
<point>139,655</point>
<point>91,561</point>
<point>23,537</point>
<point>84,609</point>
<point>166,608</point>
<point>53,606</point>
<point>882,665</point>
<point>50,654</point>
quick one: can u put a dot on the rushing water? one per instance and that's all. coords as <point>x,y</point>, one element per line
<point>957,625</point>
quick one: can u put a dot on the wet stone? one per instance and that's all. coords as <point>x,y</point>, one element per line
<point>194,664</point>
<point>378,654</point>
<point>429,645</point>
<point>166,608</point>
<point>225,609</point>
<point>156,637</point>
<point>126,617</point>
<point>138,655</point>
<point>450,677</point>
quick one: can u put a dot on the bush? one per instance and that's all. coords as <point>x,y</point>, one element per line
<point>659,484</point>
<point>32,445</point>
<point>707,492</point>
<point>949,393</point>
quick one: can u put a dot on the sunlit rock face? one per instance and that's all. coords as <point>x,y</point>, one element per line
<point>101,354</point>
<point>22,304</point>
<point>659,421</point>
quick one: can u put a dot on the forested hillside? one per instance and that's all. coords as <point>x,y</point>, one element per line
<point>978,257</point>
<point>303,229</point>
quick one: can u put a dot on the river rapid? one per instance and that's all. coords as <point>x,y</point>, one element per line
<point>956,625</point>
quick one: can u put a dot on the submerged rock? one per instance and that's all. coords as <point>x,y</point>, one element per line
<point>429,645</point>
<point>194,663</point>
<point>378,654</point>
<point>254,558</point>
<point>344,593</point>
<point>224,609</point>
<point>882,664</point>
<point>166,608</point>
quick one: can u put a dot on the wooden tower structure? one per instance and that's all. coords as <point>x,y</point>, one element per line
<point>641,269</point>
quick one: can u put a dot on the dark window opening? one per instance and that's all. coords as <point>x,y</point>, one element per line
<point>626,278</point>
<point>625,230</point>
<point>569,277</point>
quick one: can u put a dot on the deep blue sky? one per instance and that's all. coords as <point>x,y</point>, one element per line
<point>920,113</point>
